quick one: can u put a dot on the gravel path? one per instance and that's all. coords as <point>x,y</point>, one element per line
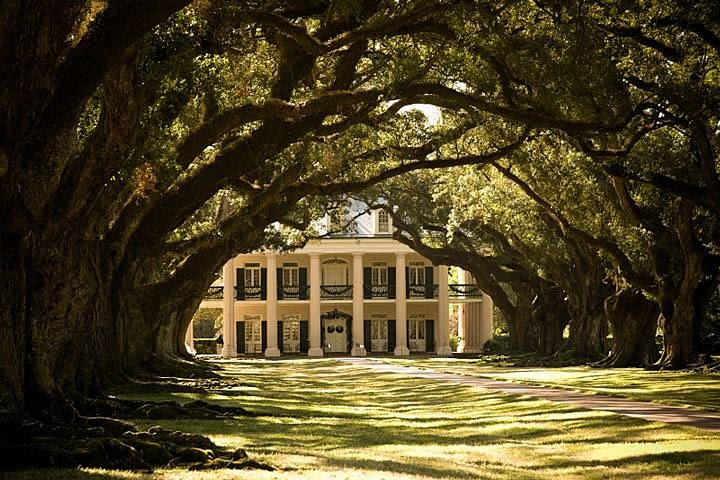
<point>632,408</point>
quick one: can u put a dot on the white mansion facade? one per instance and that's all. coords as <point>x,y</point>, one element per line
<point>359,293</point>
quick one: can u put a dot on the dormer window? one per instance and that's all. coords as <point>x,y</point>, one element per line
<point>383,222</point>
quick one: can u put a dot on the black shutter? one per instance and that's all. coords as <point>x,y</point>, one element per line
<point>407,335</point>
<point>391,282</point>
<point>302,280</point>
<point>367,282</point>
<point>240,281</point>
<point>367,335</point>
<point>240,336</point>
<point>280,335</point>
<point>322,334</point>
<point>304,336</point>
<point>280,284</point>
<point>407,282</point>
<point>429,283</point>
<point>391,336</point>
<point>263,286</point>
<point>264,336</point>
<point>348,329</point>
<point>429,335</point>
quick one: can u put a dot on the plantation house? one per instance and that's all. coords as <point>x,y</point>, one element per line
<point>357,293</point>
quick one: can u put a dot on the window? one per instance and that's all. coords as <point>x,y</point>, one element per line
<point>252,274</point>
<point>290,275</point>
<point>416,273</point>
<point>379,273</point>
<point>291,333</point>
<point>253,334</point>
<point>383,222</point>
<point>335,272</point>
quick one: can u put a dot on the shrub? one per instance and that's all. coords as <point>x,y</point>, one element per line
<point>205,346</point>
<point>499,344</point>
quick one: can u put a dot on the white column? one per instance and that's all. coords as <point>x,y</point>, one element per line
<point>315,347</point>
<point>473,319</point>
<point>443,339</point>
<point>472,342</point>
<point>271,306</point>
<point>401,347</point>
<point>358,349</point>
<point>229,347</point>
<point>462,277</point>
<point>463,327</point>
<point>486,320</point>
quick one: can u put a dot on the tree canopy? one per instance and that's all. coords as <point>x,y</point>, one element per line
<point>142,144</point>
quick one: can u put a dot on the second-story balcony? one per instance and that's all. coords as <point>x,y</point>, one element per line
<point>293,292</point>
<point>422,291</point>
<point>336,292</point>
<point>215,292</point>
<point>468,290</point>
<point>345,292</point>
<point>252,292</point>
<point>378,291</point>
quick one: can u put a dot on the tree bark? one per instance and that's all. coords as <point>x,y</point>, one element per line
<point>587,335</point>
<point>521,329</point>
<point>683,304</point>
<point>550,316</point>
<point>633,321</point>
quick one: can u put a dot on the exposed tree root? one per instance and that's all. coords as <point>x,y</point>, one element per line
<point>109,443</point>
<point>93,432</point>
<point>129,409</point>
<point>174,366</point>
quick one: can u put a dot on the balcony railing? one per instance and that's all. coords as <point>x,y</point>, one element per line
<point>469,290</point>
<point>345,292</point>
<point>422,291</point>
<point>379,291</point>
<point>336,292</point>
<point>298,292</point>
<point>254,292</point>
<point>214,293</point>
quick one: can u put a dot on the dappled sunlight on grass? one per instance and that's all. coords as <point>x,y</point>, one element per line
<point>329,419</point>
<point>697,390</point>
<point>326,419</point>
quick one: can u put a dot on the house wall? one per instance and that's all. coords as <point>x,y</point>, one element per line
<point>420,321</point>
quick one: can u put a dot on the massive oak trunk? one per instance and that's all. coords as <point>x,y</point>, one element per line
<point>588,334</point>
<point>521,329</point>
<point>550,315</point>
<point>683,303</point>
<point>633,321</point>
<point>587,293</point>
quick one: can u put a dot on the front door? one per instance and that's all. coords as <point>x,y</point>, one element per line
<point>291,335</point>
<point>253,336</point>
<point>416,335</point>
<point>335,335</point>
<point>379,335</point>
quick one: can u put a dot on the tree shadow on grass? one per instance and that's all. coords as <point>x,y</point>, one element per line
<point>339,415</point>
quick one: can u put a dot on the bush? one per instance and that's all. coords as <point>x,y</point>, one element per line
<point>207,346</point>
<point>454,340</point>
<point>492,346</point>
<point>498,344</point>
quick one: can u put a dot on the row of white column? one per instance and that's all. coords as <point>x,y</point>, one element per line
<point>358,308</point>
<point>475,319</point>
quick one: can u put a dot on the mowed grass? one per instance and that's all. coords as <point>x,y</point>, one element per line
<point>688,389</point>
<point>325,419</point>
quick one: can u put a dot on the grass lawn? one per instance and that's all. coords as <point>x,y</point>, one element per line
<point>324,419</point>
<point>696,390</point>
